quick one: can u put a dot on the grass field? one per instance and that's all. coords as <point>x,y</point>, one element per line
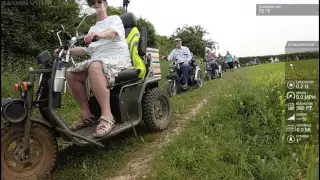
<point>238,134</point>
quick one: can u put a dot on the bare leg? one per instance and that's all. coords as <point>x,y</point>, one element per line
<point>98,84</point>
<point>99,88</point>
<point>78,90</point>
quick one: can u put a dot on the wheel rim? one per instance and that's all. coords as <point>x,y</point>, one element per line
<point>14,159</point>
<point>173,88</point>
<point>199,80</point>
<point>161,111</point>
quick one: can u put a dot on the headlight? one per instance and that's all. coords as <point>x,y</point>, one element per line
<point>171,69</point>
<point>13,109</point>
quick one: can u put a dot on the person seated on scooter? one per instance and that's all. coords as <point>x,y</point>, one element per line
<point>236,61</point>
<point>211,58</point>
<point>109,55</point>
<point>229,60</point>
<point>183,56</point>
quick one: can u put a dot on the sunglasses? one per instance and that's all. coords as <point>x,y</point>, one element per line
<point>92,2</point>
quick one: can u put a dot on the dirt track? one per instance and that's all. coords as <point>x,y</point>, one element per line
<point>139,166</point>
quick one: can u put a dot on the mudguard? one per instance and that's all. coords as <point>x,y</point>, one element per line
<point>41,121</point>
<point>150,81</point>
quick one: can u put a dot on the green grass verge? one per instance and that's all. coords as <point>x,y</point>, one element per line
<point>239,135</point>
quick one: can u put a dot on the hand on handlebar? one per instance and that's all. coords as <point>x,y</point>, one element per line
<point>90,38</point>
<point>56,52</point>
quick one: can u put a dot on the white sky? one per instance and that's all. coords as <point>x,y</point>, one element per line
<point>232,23</point>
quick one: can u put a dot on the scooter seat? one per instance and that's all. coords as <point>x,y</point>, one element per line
<point>127,75</point>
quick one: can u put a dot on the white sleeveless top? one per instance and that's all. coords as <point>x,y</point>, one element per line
<point>105,49</point>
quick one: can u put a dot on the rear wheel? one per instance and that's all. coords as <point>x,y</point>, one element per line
<point>37,163</point>
<point>156,109</point>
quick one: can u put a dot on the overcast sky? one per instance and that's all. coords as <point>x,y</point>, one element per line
<point>232,23</point>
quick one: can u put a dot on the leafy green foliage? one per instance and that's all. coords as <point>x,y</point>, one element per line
<point>164,44</point>
<point>115,10</point>
<point>142,22</point>
<point>27,30</point>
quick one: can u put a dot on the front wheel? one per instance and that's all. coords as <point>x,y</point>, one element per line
<point>172,88</point>
<point>156,108</point>
<point>199,79</point>
<point>37,163</point>
<point>216,72</point>
<point>208,76</point>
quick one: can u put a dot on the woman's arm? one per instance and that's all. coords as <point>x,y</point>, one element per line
<point>78,51</point>
<point>108,34</point>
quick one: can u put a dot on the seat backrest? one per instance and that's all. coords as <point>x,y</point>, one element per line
<point>133,38</point>
<point>133,42</point>
<point>143,41</point>
<point>129,20</point>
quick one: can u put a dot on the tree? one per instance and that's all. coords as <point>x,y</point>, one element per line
<point>192,37</point>
<point>27,30</point>
<point>164,44</point>
<point>141,22</point>
<point>115,10</point>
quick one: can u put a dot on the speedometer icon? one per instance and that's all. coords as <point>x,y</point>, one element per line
<point>290,85</point>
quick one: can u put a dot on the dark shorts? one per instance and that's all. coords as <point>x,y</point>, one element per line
<point>230,64</point>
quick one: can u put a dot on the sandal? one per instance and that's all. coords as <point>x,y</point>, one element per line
<point>104,129</point>
<point>82,123</point>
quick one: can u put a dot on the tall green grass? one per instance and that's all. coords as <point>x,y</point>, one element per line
<point>240,136</point>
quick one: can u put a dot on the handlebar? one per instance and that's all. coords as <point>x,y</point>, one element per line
<point>80,40</point>
<point>95,38</point>
<point>70,43</point>
<point>174,61</point>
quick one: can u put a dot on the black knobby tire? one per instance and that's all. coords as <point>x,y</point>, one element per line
<point>149,110</point>
<point>208,76</point>
<point>39,134</point>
